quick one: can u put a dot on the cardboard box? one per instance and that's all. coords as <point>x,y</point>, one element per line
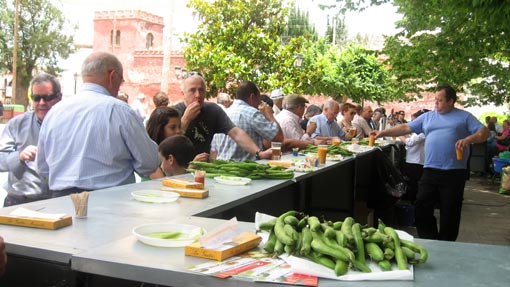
<point>185,192</point>
<point>36,222</point>
<point>182,183</point>
<point>239,244</point>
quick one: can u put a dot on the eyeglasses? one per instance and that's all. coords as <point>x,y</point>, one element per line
<point>352,113</point>
<point>191,74</point>
<point>46,98</point>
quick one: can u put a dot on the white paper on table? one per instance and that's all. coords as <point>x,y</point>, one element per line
<point>222,234</point>
<point>24,212</point>
<point>307,267</point>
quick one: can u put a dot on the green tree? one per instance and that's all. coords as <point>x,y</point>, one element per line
<point>461,42</point>
<point>240,40</point>
<point>41,41</point>
<point>337,29</point>
<point>298,24</point>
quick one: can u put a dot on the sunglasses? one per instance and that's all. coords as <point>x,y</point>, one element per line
<point>191,74</point>
<point>46,98</point>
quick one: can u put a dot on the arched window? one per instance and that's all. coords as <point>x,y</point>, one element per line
<point>117,38</point>
<point>111,37</point>
<point>149,41</point>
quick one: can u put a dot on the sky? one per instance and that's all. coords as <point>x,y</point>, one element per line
<point>377,20</point>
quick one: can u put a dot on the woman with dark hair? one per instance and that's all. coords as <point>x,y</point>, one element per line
<point>163,122</point>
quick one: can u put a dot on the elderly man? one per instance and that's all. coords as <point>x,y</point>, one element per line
<point>94,141</point>
<point>362,121</point>
<point>325,126</point>
<point>446,129</point>
<point>201,120</point>
<point>18,145</point>
<point>224,101</point>
<point>277,98</point>
<point>245,114</point>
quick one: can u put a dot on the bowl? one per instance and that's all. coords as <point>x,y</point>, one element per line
<point>149,234</point>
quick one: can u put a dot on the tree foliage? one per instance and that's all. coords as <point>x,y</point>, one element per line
<point>336,30</point>
<point>298,24</point>
<point>461,42</point>
<point>239,40</point>
<point>41,41</point>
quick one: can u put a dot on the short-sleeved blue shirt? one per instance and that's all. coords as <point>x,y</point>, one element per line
<point>442,131</point>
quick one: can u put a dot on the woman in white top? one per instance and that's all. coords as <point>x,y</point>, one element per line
<point>415,155</point>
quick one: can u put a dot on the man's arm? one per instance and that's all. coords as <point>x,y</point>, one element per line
<point>242,139</point>
<point>399,130</point>
<point>480,136</point>
<point>12,160</point>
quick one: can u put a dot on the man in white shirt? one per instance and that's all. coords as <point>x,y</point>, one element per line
<point>289,119</point>
<point>361,120</point>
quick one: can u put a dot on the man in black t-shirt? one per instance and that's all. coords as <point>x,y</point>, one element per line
<point>200,120</point>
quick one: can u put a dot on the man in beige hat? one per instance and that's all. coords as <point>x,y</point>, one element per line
<point>294,107</point>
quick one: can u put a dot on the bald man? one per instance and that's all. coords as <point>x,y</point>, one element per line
<point>93,140</point>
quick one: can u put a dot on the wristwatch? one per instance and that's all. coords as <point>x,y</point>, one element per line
<point>257,154</point>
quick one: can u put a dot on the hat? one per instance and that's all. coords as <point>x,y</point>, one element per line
<point>140,96</point>
<point>294,100</point>
<point>277,94</point>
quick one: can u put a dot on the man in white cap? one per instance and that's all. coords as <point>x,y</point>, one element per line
<point>277,97</point>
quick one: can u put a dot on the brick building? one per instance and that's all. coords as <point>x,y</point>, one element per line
<point>137,39</point>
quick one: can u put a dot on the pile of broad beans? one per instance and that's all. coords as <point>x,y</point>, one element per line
<point>340,245</point>
<point>247,168</point>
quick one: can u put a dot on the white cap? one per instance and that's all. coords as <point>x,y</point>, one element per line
<point>140,96</point>
<point>277,94</point>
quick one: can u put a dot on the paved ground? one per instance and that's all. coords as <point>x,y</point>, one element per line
<point>485,213</point>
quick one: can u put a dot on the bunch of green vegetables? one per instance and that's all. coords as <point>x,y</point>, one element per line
<point>247,168</point>
<point>340,245</point>
<point>332,149</point>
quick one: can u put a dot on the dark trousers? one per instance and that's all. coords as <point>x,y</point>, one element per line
<point>413,172</point>
<point>444,188</point>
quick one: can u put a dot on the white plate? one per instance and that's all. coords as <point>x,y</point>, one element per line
<point>155,196</point>
<point>334,157</point>
<point>190,233</point>
<point>232,180</point>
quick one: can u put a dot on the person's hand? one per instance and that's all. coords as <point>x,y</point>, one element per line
<point>204,157</point>
<point>3,256</point>
<point>310,129</point>
<point>461,144</point>
<point>376,134</point>
<point>192,111</point>
<point>267,154</point>
<point>266,110</point>
<point>318,142</point>
<point>28,153</point>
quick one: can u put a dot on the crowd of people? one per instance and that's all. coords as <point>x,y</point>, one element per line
<point>95,140</point>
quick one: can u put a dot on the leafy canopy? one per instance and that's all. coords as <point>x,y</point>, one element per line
<point>461,42</point>
<point>41,41</point>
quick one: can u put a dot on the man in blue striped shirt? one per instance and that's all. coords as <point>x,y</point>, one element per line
<point>93,140</point>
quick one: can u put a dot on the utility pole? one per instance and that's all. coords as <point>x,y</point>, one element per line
<point>15,54</point>
<point>167,48</point>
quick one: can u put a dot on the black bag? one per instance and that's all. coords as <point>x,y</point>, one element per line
<point>505,142</point>
<point>394,182</point>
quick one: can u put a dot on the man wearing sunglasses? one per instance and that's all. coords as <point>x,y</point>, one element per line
<point>18,145</point>
<point>92,140</point>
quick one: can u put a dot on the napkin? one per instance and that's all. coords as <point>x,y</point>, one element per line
<point>24,212</point>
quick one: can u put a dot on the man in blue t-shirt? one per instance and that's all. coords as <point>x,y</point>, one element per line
<point>446,129</point>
